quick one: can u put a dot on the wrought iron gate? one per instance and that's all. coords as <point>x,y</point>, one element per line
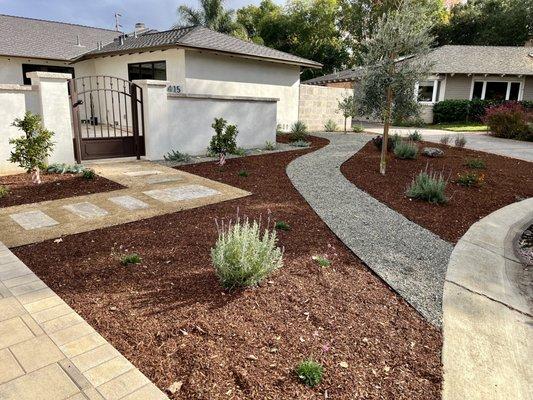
<point>108,117</point>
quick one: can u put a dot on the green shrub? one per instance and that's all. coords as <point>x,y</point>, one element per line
<point>61,168</point>
<point>243,173</point>
<point>460,141</point>
<point>282,226</point>
<point>301,143</point>
<point>330,126</point>
<point>322,261</point>
<point>358,128</point>
<point>224,139</point>
<point>509,121</point>
<point>466,110</point>
<point>310,372</point>
<point>470,179</point>
<point>245,254</point>
<point>415,136</point>
<point>428,186</point>
<point>279,131</point>
<point>31,150</point>
<point>4,191</point>
<point>406,150</point>
<point>270,146</point>
<point>175,155</point>
<point>475,163</point>
<point>298,132</point>
<point>88,175</point>
<point>445,139</point>
<point>239,151</point>
<point>129,259</point>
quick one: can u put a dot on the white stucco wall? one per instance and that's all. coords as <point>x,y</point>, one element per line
<point>235,76</point>
<point>11,68</point>
<point>183,122</point>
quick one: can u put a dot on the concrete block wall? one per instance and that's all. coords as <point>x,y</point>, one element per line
<point>318,104</point>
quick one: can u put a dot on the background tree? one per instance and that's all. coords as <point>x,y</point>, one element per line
<point>488,23</point>
<point>394,60</point>
<point>31,150</point>
<point>212,15</point>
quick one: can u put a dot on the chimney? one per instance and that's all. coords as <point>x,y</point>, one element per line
<point>140,27</point>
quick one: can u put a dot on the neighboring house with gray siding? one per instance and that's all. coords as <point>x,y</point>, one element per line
<point>464,72</point>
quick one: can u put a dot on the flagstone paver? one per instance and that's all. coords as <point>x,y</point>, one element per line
<point>33,219</point>
<point>167,190</point>
<point>48,352</point>
<point>86,210</point>
<point>129,202</point>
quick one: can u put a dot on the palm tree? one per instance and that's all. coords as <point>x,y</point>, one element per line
<point>212,15</point>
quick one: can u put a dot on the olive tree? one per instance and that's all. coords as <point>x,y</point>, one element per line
<point>31,150</point>
<point>394,60</point>
<point>347,108</point>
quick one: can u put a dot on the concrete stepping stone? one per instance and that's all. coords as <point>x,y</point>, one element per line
<point>164,179</point>
<point>142,172</point>
<point>180,193</point>
<point>86,210</point>
<point>129,202</point>
<point>33,219</point>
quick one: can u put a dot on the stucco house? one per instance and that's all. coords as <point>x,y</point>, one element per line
<point>146,92</point>
<point>462,72</point>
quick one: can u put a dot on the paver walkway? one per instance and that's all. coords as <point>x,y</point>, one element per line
<point>411,259</point>
<point>48,352</point>
<point>151,189</point>
<point>475,141</point>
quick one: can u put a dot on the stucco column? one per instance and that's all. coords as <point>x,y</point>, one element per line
<point>53,104</point>
<point>155,103</point>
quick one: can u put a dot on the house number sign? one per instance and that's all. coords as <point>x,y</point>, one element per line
<point>173,89</point>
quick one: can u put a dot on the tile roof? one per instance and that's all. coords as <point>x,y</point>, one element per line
<point>482,60</point>
<point>450,59</point>
<point>27,37</point>
<point>200,38</point>
<point>347,75</point>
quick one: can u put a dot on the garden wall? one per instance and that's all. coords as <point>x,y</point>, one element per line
<point>183,121</point>
<point>320,103</point>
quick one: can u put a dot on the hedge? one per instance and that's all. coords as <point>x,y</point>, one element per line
<point>466,110</point>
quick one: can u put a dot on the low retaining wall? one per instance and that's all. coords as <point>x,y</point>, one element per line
<point>318,104</point>
<point>487,311</point>
<point>183,121</point>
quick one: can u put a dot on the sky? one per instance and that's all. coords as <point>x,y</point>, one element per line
<point>157,14</point>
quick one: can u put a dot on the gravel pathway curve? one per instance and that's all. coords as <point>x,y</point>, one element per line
<point>411,259</point>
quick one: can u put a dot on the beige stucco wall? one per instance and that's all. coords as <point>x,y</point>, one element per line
<point>11,68</point>
<point>320,103</point>
<point>458,87</point>
<point>235,76</point>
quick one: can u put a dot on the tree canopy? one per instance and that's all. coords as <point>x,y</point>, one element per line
<point>333,32</point>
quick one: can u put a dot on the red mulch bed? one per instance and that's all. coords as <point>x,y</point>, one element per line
<point>53,187</point>
<point>506,181</point>
<point>171,318</point>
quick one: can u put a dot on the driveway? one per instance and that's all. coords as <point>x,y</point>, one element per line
<point>475,141</point>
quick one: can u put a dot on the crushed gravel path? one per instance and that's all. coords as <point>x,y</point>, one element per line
<point>411,259</point>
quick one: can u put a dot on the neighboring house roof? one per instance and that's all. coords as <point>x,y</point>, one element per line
<point>35,38</point>
<point>492,60</point>
<point>495,60</point>
<point>347,75</point>
<point>198,37</point>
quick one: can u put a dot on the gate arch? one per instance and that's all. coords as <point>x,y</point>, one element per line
<point>108,117</point>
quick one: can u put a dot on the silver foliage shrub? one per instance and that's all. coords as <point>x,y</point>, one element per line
<point>245,253</point>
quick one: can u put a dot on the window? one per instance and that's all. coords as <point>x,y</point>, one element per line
<point>148,70</point>
<point>496,90</point>
<point>428,91</point>
<point>45,68</point>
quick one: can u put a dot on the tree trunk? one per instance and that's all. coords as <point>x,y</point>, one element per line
<point>345,124</point>
<point>36,176</point>
<point>386,125</point>
<point>222,159</point>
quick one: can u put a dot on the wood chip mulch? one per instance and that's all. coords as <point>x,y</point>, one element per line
<point>53,187</point>
<point>506,180</point>
<point>171,318</point>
